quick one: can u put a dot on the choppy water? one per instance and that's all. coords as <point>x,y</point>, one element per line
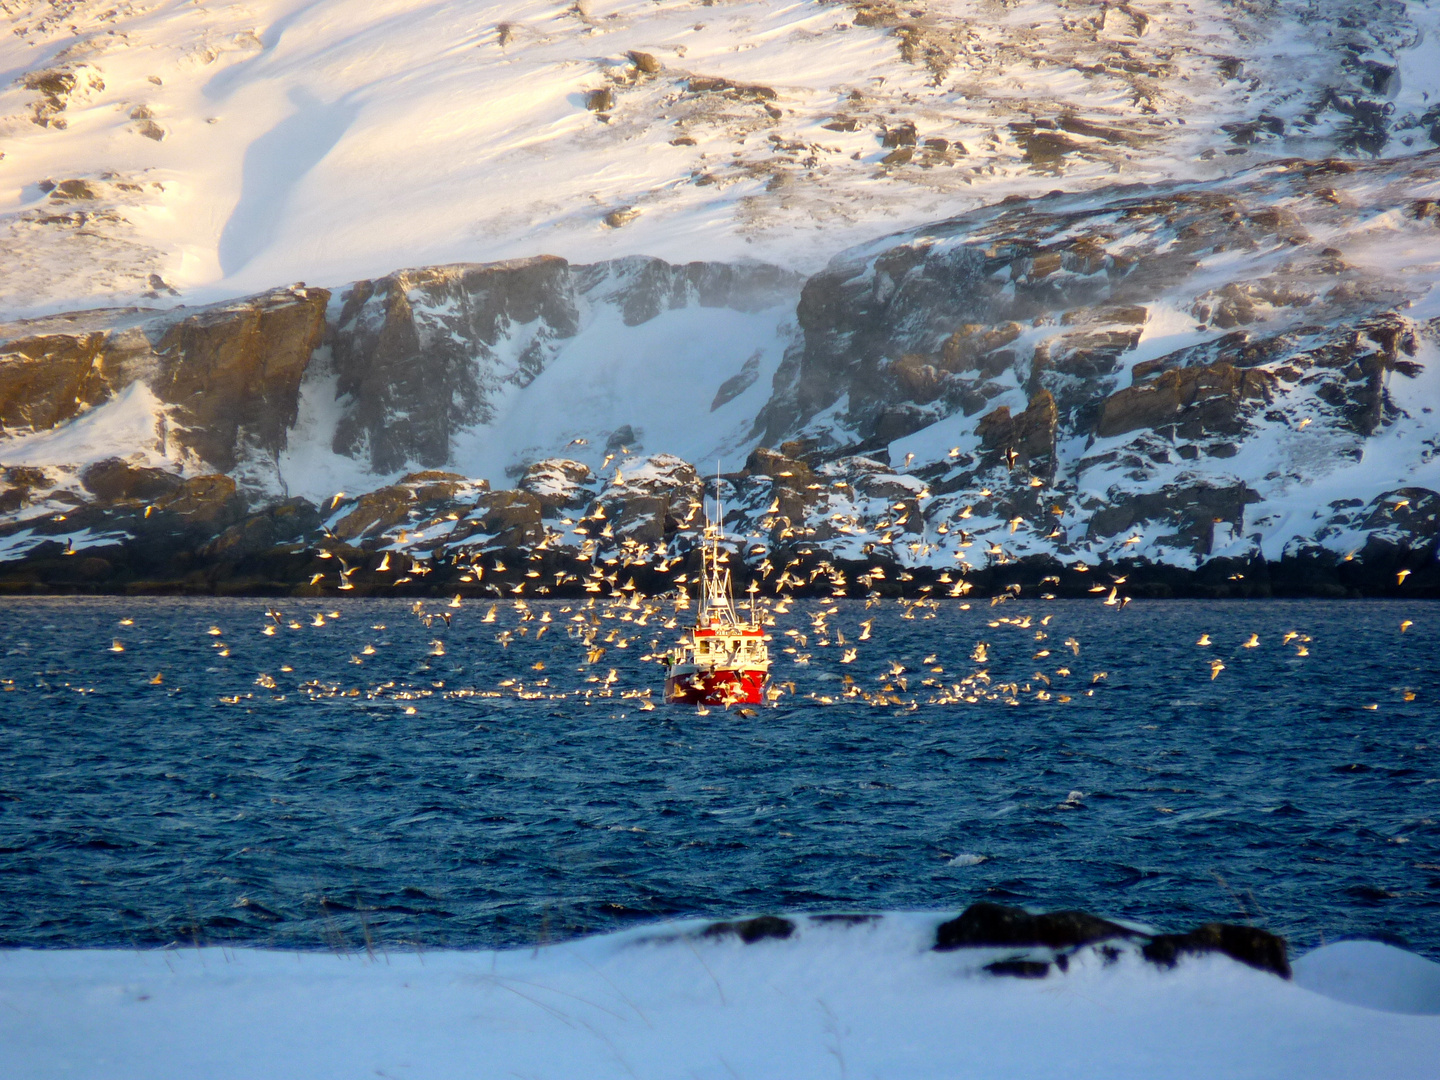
<point>386,800</point>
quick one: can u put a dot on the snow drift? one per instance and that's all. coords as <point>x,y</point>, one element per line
<point>861,996</point>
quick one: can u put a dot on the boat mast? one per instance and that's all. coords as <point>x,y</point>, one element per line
<point>715,603</point>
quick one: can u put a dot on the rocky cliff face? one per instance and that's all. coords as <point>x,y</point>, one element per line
<point>1148,359</point>
<point>423,354</point>
<point>229,375</point>
<point>1057,294</point>
<point>410,361</point>
<point>1232,381</point>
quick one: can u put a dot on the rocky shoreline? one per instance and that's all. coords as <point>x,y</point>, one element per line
<point>564,533</point>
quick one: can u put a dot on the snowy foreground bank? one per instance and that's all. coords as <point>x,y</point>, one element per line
<point>835,999</point>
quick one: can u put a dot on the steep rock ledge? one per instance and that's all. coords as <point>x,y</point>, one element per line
<point>230,372</point>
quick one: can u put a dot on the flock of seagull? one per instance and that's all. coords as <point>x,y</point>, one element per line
<point>597,627</point>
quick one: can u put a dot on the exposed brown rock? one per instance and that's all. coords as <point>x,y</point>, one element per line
<point>73,190</point>
<point>706,84</point>
<point>376,511</point>
<point>434,485</point>
<point>778,466</point>
<point>114,479</point>
<point>917,378</point>
<point>47,379</point>
<point>381,509</point>
<point>512,518</point>
<point>964,348</point>
<point>1030,434</point>
<point>27,476</point>
<point>205,500</point>
<point>645,62</point>
<point>794,488</point>
<point>1199,400</point>
<point>649,503</point>
<point>234,371</point>
<point>899,135</point>
<point>231,371</point>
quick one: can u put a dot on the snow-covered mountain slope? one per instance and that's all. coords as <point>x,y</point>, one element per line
<point>215,149</point>
<point>857,996</point>
<point>1242,369</point>
<point>1119,322</point>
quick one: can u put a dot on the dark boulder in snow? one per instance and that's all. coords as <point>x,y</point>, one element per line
<point>1020,969</point>
<point>990,924</point>
<point>987,925</point>
<point>1248,944</point>
<point>751,930</point>
<point>644,62</point>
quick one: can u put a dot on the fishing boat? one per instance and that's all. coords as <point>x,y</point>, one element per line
<point>723,659</point>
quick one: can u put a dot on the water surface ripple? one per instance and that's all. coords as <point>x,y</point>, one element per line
<point>377,797</point>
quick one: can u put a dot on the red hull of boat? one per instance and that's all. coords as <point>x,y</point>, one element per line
<point>720,687</point>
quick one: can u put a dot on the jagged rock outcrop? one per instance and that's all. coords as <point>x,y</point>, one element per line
<point>1198,401</point>
<point>47,378</point>
<point>229,374</point>
<point>1053,293</point>
<point>1192,512</point>
<point>288,521</point>
<point>559,483</point>
<point>1028,438</point>
<point>422,353</point>
<point>795,487</point>
<point>649,501</point>
<point>205,501</point>
<point>377,511</point>
<point>506,519</point>
<point>232,372</point>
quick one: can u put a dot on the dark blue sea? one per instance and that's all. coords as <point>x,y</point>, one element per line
<point>297,790</point>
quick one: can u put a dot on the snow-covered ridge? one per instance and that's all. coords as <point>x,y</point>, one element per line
<point>853,996</point>
<point>219,149</point>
